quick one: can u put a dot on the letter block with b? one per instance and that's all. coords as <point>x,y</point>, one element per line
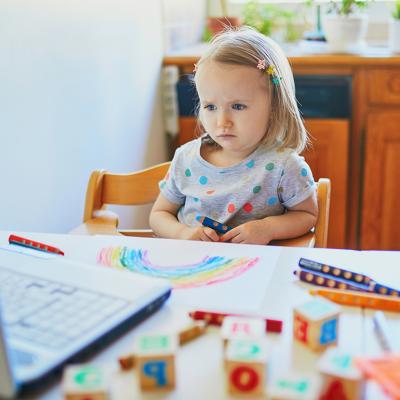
<point>155,361</point>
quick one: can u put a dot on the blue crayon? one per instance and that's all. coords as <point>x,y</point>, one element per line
<point>217,226</point>
<point>384,290</point>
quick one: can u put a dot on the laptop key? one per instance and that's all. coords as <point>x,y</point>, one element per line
<point>21,357</point>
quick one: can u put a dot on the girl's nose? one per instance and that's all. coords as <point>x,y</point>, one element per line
<point>223,120</point>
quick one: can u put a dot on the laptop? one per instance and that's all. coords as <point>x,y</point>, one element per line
<point>54,311</point>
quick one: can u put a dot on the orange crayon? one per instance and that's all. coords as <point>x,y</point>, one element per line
<point>360,299</point>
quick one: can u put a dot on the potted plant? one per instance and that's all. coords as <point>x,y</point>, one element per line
<point>345,25</point>
<point>394,29</point>
<point>218,24</point>
<point>271,20</point>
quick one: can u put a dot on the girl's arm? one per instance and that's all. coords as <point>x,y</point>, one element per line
<point>297,221</point>
<point>164,223</point>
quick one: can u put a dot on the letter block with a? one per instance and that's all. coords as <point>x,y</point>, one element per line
<point>340,377</point>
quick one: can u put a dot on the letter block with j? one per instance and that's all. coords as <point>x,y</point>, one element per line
<point>155,361</point>
<point>246,366</point>
<point>316,322</point>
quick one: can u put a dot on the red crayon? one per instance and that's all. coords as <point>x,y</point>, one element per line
<point>20,241</point>
<point>216,318</point>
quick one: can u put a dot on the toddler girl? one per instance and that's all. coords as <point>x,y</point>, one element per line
<point>245,171</point>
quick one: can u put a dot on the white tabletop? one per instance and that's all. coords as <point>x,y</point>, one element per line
<point>200,372</point>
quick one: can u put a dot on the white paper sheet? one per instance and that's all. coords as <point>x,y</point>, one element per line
<point>242,293</point>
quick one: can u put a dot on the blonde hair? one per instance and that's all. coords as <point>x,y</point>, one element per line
<point>246,46</point>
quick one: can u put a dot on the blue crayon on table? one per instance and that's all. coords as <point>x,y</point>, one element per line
<point>320,279</point>
<point>384,290</point>
<point>336,272</point>
<point>217,226</point>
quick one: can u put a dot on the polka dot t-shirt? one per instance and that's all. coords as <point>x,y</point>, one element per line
<point>264,184</point>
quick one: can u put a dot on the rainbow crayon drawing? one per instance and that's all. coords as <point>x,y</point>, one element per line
<point>217,226</point>
<point>207,270</point>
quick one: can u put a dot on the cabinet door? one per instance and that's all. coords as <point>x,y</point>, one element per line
<point>380,217</point>
<point>189,129</point>
<point>328,158</point>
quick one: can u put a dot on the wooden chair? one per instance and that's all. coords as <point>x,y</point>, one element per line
<point>141,187</point>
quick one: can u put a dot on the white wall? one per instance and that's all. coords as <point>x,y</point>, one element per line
<point>79,90</point>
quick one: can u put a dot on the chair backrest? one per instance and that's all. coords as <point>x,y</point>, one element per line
<point>141,187</point>
<point>324,202</point>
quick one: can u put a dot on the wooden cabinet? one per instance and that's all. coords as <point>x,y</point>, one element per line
<point>361,155</point>
<point>328,158</point>
<point>380,219</point>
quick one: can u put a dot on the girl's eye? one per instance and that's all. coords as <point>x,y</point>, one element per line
<point>210,107</point>
<point>238,106</point>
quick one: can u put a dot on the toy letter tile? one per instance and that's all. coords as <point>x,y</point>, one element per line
<point>242,328</point>
<point>300,328</point>
<point>246,364</point>
<point>315,323</point>
<point>155,361</point>
<point>340,377</point>
<point>86,382</point>
<point>293,387</point>
<point>328,332</point>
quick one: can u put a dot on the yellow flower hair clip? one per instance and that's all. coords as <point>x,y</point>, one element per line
<point>270,70</point>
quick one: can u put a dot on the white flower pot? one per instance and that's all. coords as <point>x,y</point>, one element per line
<point>345,33</point>
<point>394,35</point>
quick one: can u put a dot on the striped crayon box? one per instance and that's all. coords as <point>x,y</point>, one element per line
<point>86,381</point>
<point>155,361</point>
<point>341,379</point>
<point>246,367</point>
<point>316,323</point>
<point>293,386</point>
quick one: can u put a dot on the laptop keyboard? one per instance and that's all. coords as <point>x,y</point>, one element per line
<point>48,313</point>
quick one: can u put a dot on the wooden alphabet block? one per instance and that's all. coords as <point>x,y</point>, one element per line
<point>86,382</point>
<point>293,387</point>
<point>316,323</point>
<point>155,361</point>
<point>246,366</point>
<point>242,328</point>
<point>340,377</point>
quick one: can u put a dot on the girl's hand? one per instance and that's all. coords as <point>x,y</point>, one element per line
<point>201,233</point>
<point>252,232</point>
